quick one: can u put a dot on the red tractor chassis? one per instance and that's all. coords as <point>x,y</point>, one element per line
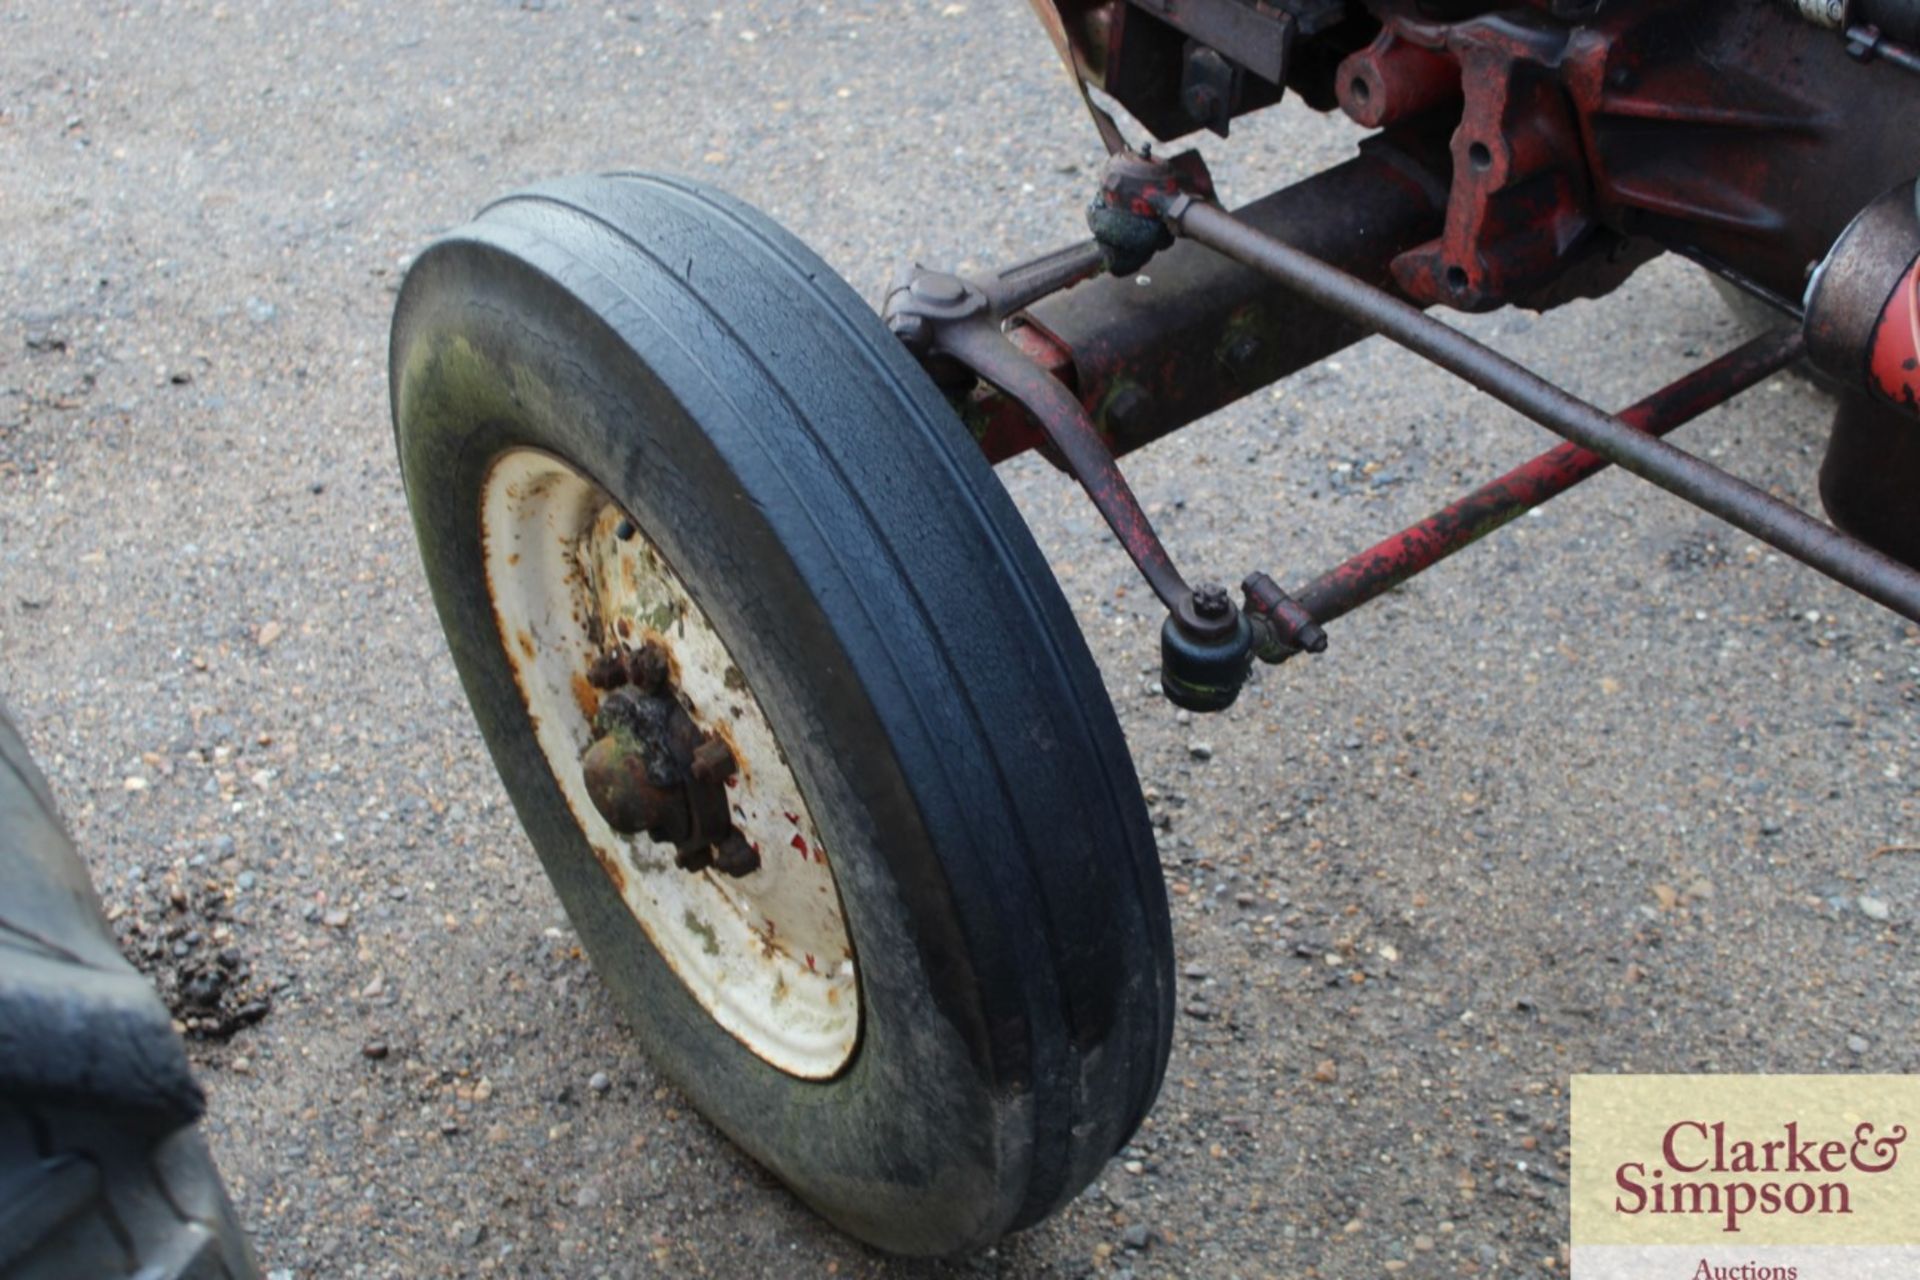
<point>1522,156</point>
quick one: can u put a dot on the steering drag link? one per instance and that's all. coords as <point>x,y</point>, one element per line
<point>1207,643</point>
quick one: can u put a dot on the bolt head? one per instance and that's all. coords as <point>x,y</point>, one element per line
<point>1127,407</point>
<point>1200,101</point>
<point>647,667</point>
<point>713,761</point>
<point>911,328</point>
<point>1210,600</point>
<point>1242,352</point>
<point>733,856</point>
<point>608,671</point>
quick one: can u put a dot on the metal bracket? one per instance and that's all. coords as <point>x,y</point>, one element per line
<point>1282,626</point>
<point>1260,35</point>
<point>1209,86</point>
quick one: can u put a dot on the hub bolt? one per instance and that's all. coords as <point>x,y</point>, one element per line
<point>713,761</point>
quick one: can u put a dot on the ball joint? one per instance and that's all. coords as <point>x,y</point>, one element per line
<point>1206,651</point>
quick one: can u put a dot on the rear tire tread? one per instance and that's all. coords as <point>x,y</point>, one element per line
<point>102,1171</point>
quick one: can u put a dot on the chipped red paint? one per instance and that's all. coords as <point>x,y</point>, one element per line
<point>1574,149</point>
<point>1895,360</point>
<point>1001,424</point>
<point>1531,155</point>
<point>1140,185</point>
<point>1393,79</point>
<point>800,842</point>
<point>1732,131</point>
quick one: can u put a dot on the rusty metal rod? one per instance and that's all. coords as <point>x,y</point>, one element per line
<point>977,343</point>
<point>1384,566</point>
<point>1740,504</point>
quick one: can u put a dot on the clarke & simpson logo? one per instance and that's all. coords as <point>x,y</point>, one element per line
<point>1703,1170</point>
<point>1744,1178</point>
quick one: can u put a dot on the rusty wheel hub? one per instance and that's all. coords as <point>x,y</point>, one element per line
<point>651,768</point>
<point>669,765</point>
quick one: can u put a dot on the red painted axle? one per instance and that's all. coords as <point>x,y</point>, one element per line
<point>1194,332</point>
<point>1459,524</point>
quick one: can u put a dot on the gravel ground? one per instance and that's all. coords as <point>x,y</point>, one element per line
<point>1603,795</point>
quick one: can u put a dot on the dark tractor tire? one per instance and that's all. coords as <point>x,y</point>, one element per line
<point>704,386</point>
<point>102,1173</point>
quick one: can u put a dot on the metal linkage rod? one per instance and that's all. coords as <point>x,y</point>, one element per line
<point>1465,521</point>
<point>1740,504</point>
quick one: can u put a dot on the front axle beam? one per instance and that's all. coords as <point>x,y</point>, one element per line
<point>1150,352</point>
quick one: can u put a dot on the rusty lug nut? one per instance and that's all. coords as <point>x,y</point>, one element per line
<point>713,761</point>
<point>616,780</point>
<point>696,857</point>
<point>735,856</point>
<point>608,671</point>
<point>1210,600</point>
<point>647,668</point>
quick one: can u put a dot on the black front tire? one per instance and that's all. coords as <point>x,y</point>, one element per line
<point>924,676</point>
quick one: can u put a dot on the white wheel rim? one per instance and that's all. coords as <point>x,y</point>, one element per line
<point>766,954</point>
